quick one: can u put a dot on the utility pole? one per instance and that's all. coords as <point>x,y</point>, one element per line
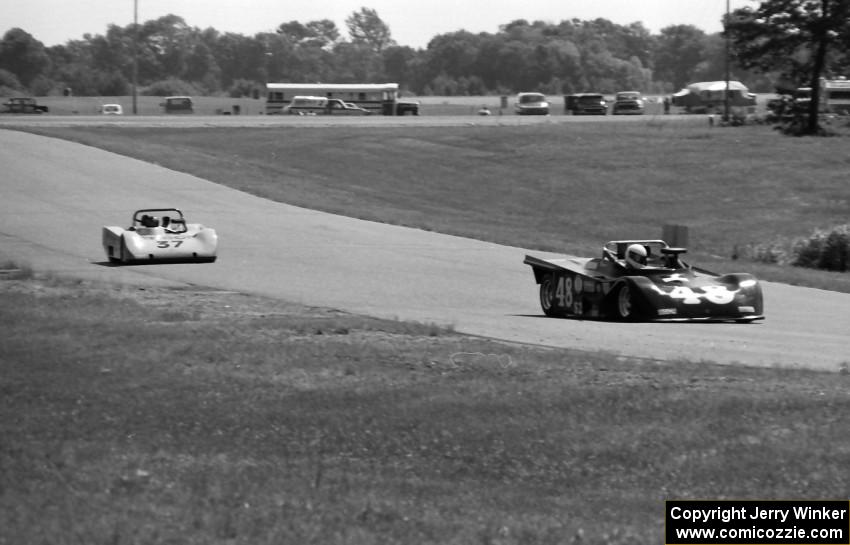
<point>726,94</point>
<point>135,53</point>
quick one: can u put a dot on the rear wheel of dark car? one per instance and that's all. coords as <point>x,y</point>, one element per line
<point>547,296</point>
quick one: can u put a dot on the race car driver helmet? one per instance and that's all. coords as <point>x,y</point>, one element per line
<point>636,256</point>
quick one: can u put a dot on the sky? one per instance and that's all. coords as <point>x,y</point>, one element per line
<point>54,22</point>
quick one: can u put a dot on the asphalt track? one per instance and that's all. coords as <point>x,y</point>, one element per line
<point>55,196</point>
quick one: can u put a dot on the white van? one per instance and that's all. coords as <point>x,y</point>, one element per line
<point>112,109</point>
<point>305,105</point>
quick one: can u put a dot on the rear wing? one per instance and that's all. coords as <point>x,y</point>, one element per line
<point>542,267</point>
<point>545,264</point>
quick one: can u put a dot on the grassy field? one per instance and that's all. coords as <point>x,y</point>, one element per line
<point>554,186</point>
<point>197,417</point>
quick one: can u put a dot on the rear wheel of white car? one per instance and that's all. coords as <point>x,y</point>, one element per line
<point>624,303</point>
<point>547,296</point>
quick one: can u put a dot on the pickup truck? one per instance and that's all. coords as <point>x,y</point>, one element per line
<point>406,106</point>
<point>585,104</point>
<point>23,105</point>
<point>306,105</point>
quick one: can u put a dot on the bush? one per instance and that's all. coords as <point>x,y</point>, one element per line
<point>40,86</point>
<point>113,84</point>
<point>770,252</point>
<point>824,250</point>
<point>243,88</point>
<point>835,250</point>
<point>9,83</point>
<point>807,251</point>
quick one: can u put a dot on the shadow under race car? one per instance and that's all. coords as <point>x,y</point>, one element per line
<point>160,235</point>
<point>642,280</point>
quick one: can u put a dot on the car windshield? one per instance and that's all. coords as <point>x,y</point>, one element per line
<point>596,99</point>
<point>154,217</point>
<point>627,96</point>
<point>655,257</point>
<point>524,99</point>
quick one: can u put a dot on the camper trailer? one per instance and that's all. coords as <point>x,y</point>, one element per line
<point>834,96</point>
<point>710,97</point>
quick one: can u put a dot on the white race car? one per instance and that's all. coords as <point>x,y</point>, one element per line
<point>160,235</point>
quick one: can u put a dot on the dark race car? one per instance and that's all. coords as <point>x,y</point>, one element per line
<point>643,280</point>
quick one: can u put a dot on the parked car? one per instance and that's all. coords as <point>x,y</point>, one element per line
<point>23,105</point>
<point>338,107</point>
<point>112,109</point>
<point>178,105</point>
<point>531,104</point>
<point>627,102</point>
<point>586,104</point>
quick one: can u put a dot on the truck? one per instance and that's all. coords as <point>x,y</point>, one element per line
<point>308,105</point>
<point>585,104</point>
<point>178,105</point>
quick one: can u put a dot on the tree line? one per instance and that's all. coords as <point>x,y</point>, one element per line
<point>172,57</point>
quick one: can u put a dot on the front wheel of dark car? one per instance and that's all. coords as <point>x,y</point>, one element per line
<point>624,306</point>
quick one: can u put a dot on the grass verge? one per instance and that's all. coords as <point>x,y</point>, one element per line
<point>192,416</point>
<point>554,186</point>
